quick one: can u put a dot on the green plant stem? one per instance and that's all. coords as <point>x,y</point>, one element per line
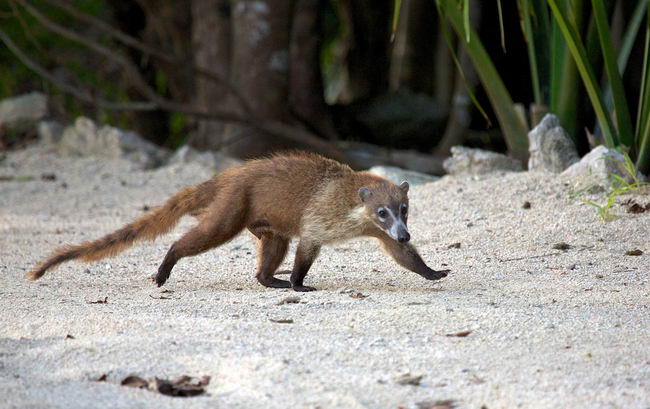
<point>642,120</point>
<point>564,82</point>
<point>586,72</point>
<point>621,111</point>
<point>532,54</point>
<point>514,130</point>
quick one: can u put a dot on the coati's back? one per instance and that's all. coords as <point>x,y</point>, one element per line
<point>281,187</point>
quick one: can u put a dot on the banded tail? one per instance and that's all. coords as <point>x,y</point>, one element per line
<point>153,224</point>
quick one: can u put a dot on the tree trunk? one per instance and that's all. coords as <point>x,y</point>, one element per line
<point>260,66</point>
<point>211,40</point>
<point>306,94</point>
<point>166,29</point>
<point>414,48</point>
<point>368,54</point>
<point>130,18</point>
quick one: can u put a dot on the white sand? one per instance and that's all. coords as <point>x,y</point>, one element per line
<point>551,328</point>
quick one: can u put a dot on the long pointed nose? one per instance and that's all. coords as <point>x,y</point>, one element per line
<point>403,236</point>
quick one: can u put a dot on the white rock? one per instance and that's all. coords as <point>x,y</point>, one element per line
<point>551,148</point>
<point>601,162</point>
<point>23,112</point>
<point>210,159</point>
<point>50,132</point>
<point>398,175</point>
<point>85,138</point>
<point>477,162</point>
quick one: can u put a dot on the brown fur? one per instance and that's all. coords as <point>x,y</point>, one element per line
<point>153,224</point>
<point>276,198</point>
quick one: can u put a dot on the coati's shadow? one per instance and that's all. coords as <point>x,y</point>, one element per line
<point>350,286</point>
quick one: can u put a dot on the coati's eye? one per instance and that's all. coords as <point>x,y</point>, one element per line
<point>382,213</point>
<point>404,209</point>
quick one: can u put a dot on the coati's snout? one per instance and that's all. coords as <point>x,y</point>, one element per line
<point>388,209</point>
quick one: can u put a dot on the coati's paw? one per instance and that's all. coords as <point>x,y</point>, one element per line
<point>436,275</point>
<point>274,283</point>
<point>303,288</point>
<point>159,280</point>
<point>282,272</point>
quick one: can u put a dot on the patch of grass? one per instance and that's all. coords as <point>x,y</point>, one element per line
<point>619,186</point>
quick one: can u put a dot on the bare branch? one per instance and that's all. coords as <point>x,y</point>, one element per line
<point>76,92</point>
<point>154,52</point>
<point>131,71</point>
<point>273,128</point>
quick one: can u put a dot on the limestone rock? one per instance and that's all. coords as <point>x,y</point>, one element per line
<point>85,138</point>
<point>23,112</point>
<point>210,159</point>
<point>477,162</point>
<point>551,148</point>
<point>601,162</point>
<point>50,132</point>
<point>398,175</point>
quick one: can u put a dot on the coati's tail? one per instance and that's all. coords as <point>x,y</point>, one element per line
<point>153,224</point>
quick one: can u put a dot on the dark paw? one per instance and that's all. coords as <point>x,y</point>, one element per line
<point>303,288</point>
<point>160,280</point>
<point>436,275</point>
<point>275,283</point>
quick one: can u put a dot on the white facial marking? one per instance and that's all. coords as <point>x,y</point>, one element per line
<point>397,223</point>
<point>385,210</point>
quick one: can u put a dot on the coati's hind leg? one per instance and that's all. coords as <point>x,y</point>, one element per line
<point>223,221</point>
<point>271,251</point>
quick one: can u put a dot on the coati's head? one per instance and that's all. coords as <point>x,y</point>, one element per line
<point>388,206</point>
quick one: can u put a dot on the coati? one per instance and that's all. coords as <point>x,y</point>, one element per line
<point>298,194</point>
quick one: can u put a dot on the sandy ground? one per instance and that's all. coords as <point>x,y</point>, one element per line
<point>550,328</point>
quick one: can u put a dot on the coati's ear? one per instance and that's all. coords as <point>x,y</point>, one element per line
<point>404,186</point>
<point>364,193</point>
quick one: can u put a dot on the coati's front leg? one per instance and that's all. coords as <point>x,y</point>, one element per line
<point>407,256</point>
<point>305,255</point>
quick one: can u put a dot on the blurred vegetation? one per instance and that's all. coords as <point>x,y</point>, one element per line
<point>433,73</point>
<point>592,41</point>
<point>69,60</point>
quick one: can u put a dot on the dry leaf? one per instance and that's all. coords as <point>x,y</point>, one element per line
<point>134,382</point>
<point>526,205</point>
<point>182,386</point>
<point>101,378</point>
<point>635,252</point>
<point>104,301</point>
<point>561,246</point>
<point>438,404</point>
<point>459,334</point>
<point>357,295</point>
<point>289,300</point>
<point>476,379</point>
<point>454,246</point>
<point>633,207</point>
<point>408,379</point>
<point>281,321</point>
<point>160,297</point>
<point>68,336</point>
